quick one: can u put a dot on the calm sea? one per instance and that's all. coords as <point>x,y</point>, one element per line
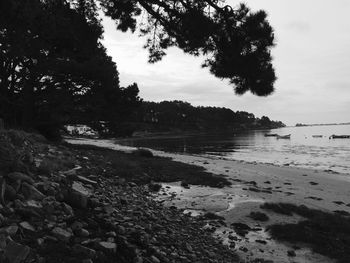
<point>302,149</point>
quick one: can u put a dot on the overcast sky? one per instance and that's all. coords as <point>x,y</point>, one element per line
<point>312,62</point>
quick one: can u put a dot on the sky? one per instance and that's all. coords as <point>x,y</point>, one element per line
<point>311,59</point>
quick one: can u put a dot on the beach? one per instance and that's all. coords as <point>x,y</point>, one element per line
<point>252,185</point>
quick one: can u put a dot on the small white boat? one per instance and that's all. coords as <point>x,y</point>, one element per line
<point>283,136</point>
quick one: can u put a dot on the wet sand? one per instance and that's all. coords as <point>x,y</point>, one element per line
<point>252,185</point>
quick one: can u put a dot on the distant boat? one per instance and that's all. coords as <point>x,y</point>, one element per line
<point>339,136</point>
<point>317,136</point>
<point>271,135</point>
<point>283,136</point>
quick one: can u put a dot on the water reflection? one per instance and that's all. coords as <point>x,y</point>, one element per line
<point>302,149</point>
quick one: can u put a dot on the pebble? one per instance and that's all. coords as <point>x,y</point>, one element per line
<point>108,247</point>
<point>26,226</point>
<point>62,234</point>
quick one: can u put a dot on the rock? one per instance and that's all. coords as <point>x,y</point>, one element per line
<point>120,229</point>
<point>108,247</point>
<point>46,188</point>
<point>241,228</point>
<point>40,242</point>
<point>185,185</point>
<point>86,180</point>
<point>264,242</point>
<point>123,201</point>
<point>291,253</point>
<point>10,230</point>
<point>155,259</point>
<point>3,242</point>
<point>31,208</point>
<point>10,193</point>
<point>111,234</point>
<point>27,227</point>
<point>189,248</point>
<point>30,192</point>
<point>78,195</point>
<point>72,173</point>
<point>2,219</point>
<point>67,209</point>
<point>16,253</point>
<point>84,251</point>
<point>16,176</point>
<point>76,226</point>
<point>84,233</point>
<point>62,234</point>
<point>244,249</point>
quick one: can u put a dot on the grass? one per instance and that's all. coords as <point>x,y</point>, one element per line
<point>142,169</point>
<point>326,233</point>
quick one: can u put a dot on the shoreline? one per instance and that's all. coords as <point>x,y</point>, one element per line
<point>67,203</point>
<point>252,185</point>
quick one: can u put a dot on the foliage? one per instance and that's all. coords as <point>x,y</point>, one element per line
<point>53,66</point>
<point>169,115</point>
<point>54,69</point>
<point>236,42</point>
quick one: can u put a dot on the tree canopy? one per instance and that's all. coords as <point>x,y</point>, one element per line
<point>182,116</point>
<point>54,69</point>
<point>236,42</point>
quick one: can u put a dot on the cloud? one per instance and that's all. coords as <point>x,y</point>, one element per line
<point>299,26</point>
<point>340,86</point>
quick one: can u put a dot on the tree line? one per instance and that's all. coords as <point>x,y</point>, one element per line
<point>54,69</point>
<point>182,116</point>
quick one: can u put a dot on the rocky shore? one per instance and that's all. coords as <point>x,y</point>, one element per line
<point>62,203</point>
<point>264,213</point>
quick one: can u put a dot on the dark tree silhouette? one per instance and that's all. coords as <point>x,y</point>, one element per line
<point>182,116</point>
<point>52,63</point>
<point>53,68</point>
<point>235,41</point>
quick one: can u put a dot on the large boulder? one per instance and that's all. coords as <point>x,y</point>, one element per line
<point>15,252</point>
<point>78,195</point>
<point>31,193</point>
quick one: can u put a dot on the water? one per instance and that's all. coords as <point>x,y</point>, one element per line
<point>301,149</point>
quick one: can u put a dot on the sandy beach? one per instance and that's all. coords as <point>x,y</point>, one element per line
<point>252,185</point>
